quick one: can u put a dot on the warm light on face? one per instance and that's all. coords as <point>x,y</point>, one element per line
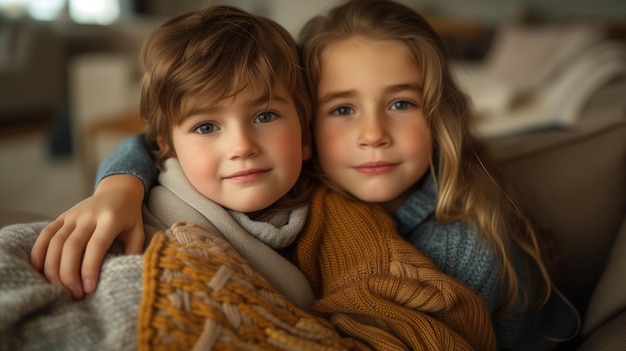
<point>371,134</point>
<point>243,153</point>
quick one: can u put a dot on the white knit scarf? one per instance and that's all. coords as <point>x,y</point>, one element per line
<point>176,200</point>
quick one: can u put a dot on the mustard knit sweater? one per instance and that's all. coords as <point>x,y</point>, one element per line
<point>377,288</point>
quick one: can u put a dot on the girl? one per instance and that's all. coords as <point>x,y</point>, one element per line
<point>392,128</point>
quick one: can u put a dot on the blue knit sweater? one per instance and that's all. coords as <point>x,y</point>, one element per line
<point>458,252</point>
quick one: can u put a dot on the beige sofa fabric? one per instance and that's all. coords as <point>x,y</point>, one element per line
<point>609,297</point>
<point>573,184</point>
<point>11,216</point>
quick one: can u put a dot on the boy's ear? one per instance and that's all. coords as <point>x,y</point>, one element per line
<point>306,152</point>
<point>161,143</point>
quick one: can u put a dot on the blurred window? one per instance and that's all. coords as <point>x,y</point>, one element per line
<point>101,12</point>
<point>94,11</point>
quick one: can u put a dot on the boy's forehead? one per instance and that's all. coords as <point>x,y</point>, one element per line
<point>250,95</point>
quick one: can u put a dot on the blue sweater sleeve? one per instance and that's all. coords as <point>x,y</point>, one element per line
<point>133,156</point>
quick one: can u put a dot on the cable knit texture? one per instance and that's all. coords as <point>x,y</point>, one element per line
<point>201,295</point>
<point>453,247</point>
<point>36,315</point>
<point>458,252</point>
<point>376,287</point>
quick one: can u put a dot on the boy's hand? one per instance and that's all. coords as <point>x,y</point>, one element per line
<point>70,250</point>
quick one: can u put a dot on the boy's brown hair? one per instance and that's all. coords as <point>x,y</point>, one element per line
<point>214,53</point>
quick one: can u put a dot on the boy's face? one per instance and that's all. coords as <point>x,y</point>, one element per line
<point>371,135</point>
<point>243,153</point>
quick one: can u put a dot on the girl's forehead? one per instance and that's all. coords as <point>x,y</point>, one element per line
<point>381,52</point>
<point>368,57</point>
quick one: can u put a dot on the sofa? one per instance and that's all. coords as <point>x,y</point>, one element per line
<point>572,183</point>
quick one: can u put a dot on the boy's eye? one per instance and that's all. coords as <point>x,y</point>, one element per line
<point>342,111</point>
<point>205,128</point>
<point>401,105</point>
<point>265,117</point>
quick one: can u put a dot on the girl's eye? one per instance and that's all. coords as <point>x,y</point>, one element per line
<point>342,111</point>
<point>205,128</point>
<point>265,117</point>
<point>401,105</point>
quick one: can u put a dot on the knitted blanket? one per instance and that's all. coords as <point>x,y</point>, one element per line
<point>377,288</point>
<point>36,315</point>
<point>201,295</point>
<point>197,293</point>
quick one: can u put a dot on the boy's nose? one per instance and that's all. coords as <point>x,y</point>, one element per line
<point>242,145</point>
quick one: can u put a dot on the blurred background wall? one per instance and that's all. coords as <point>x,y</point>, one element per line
<point>68,91</point>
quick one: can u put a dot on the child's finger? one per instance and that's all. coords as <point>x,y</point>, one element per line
<point>40,248</point>
<point>71,260</point>
<point>96,249</point>
<point>53,253</point>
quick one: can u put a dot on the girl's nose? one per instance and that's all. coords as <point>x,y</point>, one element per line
<point>373,132</point>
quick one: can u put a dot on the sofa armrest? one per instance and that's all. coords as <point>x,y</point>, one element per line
<point>610,337</point>
<point>571,183</point>
<point>609,296</point>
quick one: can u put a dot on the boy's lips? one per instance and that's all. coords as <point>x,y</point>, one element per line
<point>376,167</point>
<point>247,175</point>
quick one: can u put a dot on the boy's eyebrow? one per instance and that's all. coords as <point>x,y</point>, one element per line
<point>260,100</point>
<point>201,111</point>
<point>266,99</point>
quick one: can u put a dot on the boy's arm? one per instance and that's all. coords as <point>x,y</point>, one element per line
<point>70,250</point>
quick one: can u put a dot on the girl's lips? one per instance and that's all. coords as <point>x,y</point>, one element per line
<point>248,175</point>
<point>373,168</point>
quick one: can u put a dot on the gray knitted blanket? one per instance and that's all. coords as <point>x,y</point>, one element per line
<point>36,315</point>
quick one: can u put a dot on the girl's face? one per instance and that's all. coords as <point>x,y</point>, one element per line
<point>245,152</point>
<point>371,134</point>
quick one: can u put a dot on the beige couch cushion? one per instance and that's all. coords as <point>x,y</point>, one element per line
<point>11,216</point>
<point>572,183</point>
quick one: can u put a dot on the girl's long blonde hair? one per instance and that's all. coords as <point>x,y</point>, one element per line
<point>466,188</point>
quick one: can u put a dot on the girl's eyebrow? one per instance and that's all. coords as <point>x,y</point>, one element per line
<point>336,95</point>
<point>401,87</point>
<point>417,88</point>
